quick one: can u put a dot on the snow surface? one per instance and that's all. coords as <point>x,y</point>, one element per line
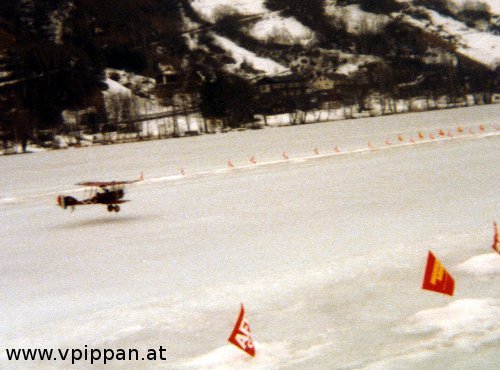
<point>484,264</point>
<point>326,251</point>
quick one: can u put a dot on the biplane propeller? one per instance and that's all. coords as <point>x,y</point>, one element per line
<point>109,193</point>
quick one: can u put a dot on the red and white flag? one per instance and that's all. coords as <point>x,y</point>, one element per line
<point>436,278</point>
<point>241,336</point>
<point>496,239</point>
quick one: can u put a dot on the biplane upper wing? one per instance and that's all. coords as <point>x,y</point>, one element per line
<point>103,184</point>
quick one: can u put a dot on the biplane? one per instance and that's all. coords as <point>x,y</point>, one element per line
<point>108,193</point>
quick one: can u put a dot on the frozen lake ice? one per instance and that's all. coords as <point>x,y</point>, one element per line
<point>327,252</point>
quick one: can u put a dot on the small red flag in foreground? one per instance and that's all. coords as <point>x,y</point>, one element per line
<point>436,277</point>
<point>240,336</point>
<point>496,239</point>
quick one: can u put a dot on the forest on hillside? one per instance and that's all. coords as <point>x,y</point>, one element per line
<point>54,54</point>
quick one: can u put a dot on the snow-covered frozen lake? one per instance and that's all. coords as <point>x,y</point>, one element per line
<point>327,252</point>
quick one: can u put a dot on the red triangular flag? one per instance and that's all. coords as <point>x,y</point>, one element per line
<point>436,277</point>
<point>496,239</point>
<point>240,336</point>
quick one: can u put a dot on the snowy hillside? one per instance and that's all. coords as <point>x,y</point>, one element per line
<point>54,57</point>
<point>269,26</point>
<point>211,9</point>
<point>483,47</point>
<point>458,5</point>
<point>357,20</point>
<point>241,55</point>
<point>281,30</point>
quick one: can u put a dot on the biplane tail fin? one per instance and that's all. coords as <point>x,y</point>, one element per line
<point>61,202</point>
<point>66,201</point>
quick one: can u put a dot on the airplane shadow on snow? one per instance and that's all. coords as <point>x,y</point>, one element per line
<point>103,221</point>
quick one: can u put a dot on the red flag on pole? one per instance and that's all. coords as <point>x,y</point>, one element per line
<point>436,278</point>
<point>496,239</point>
<point>240,336</point>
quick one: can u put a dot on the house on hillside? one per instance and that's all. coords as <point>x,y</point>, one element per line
<point>326,90</point>
<point>282,85</point>
<point>168,75</point>
<point>279,94</point>
<point>323,83</point>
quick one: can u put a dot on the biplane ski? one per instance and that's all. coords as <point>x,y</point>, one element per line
<point>109,193</point>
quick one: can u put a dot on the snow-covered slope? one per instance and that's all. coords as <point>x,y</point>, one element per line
<point>281,30</point>
<point>268,26</point>
<point>211,9</point>
<point>483,47</point>
<point>356,20</point>
<point>242,55</point>
<point>493,5</point>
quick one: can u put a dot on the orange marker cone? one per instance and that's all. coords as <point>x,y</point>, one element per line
<point>253,160</point>
<point>284,155</point>
<point>481,128</point>
<point>441,133</point>
<point>400,137</point>
<point>460,130</point>
<point>230,164</point>
<point>421,135</point>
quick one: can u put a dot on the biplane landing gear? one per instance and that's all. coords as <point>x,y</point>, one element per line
<point>112,208</point>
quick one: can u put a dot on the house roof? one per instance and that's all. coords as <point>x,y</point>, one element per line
<point>279,79</point>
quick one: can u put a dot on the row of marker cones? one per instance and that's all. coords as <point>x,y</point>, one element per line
<point>441,133</point>
<point>400,138</point>
<point>436,279</point>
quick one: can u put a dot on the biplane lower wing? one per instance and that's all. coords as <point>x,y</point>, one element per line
<point>68,201</point>
<point>71,202</point>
